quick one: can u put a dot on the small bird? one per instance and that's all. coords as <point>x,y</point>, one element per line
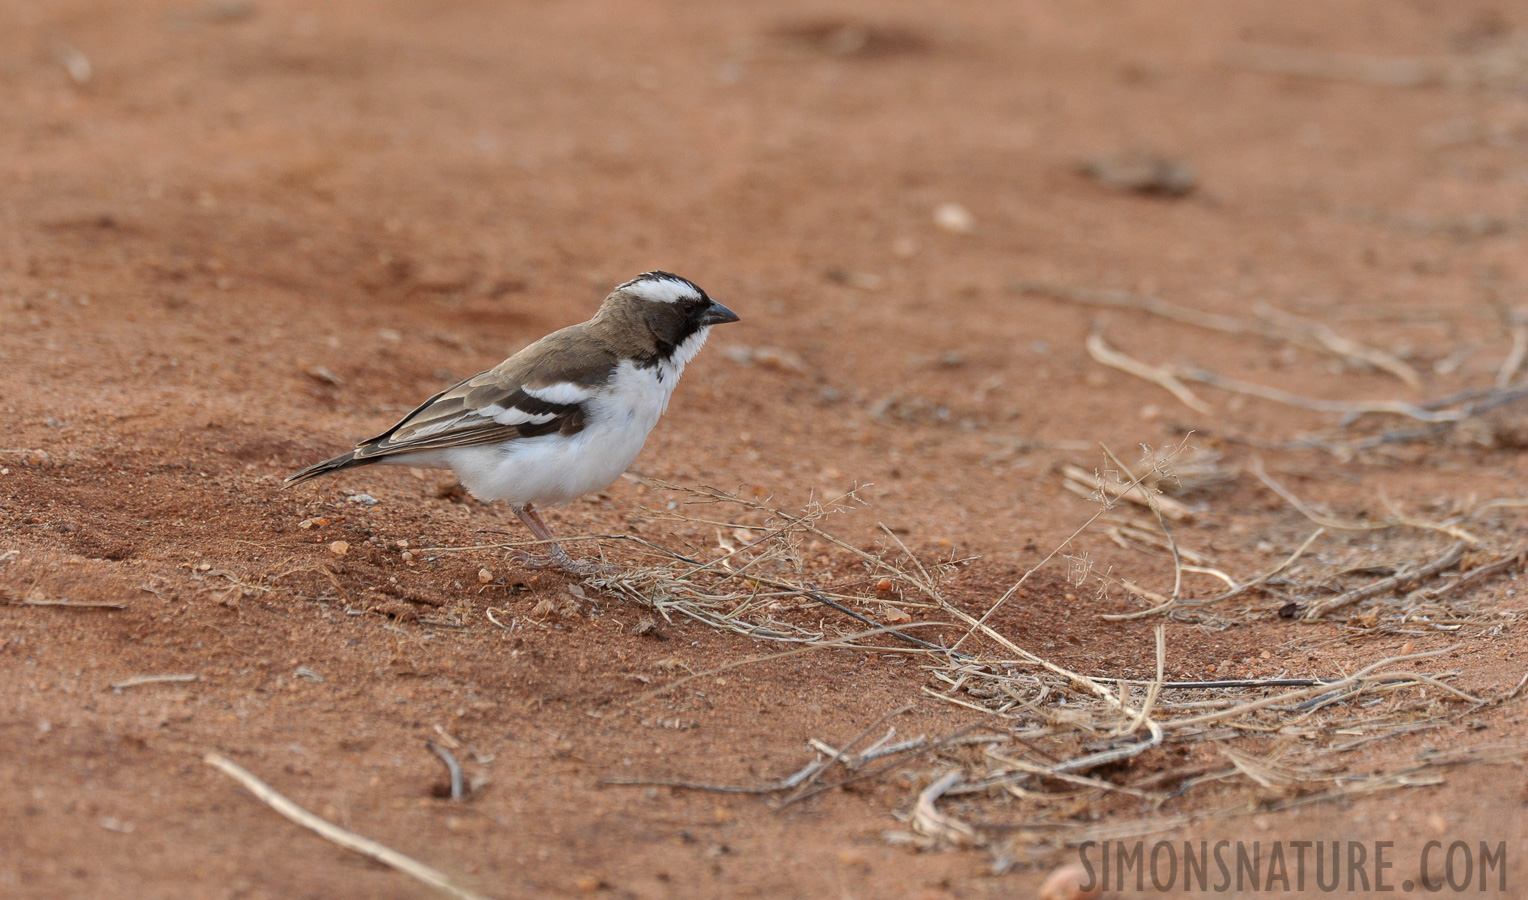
<point>563,417</point>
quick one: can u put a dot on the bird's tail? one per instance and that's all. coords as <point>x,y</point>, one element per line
<point>343,461</point>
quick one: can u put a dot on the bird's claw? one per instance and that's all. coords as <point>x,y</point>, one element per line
<point>560,560</point>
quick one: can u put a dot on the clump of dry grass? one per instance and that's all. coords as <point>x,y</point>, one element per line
<point>1052,739</point>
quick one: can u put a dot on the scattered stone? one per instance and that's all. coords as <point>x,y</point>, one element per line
<point>324,376</point>
<point>864,281</point>
<point>485,576</point>
<point>363,499</point>
<point>768,357</point>
<point>954,217</point>
<point>339,548</point>
<point>1070,882</point>
<point>1141,174</point>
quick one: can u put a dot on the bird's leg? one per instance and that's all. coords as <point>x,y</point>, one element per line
<point>556,557</point>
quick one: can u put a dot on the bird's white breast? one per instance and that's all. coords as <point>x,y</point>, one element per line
<point>556,468</point>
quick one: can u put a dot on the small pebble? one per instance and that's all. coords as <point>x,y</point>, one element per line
<point>485,576</point>
<point>894,616</point>
<point>954,217</point>
<point>1070,882</point>
<point>339,548</point>
<point>883,585</point>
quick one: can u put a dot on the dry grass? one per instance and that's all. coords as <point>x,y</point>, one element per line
<point>1052,740</point>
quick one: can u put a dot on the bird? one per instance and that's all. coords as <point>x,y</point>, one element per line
<point>561,418</point>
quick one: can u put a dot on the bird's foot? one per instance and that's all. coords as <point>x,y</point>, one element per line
<point>558,559</point>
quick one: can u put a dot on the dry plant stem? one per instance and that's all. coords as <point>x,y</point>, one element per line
<point>1155,503</point>
<point>1079,679</point>
<point>1356,678</point>
<point>1234,592</point>
<point>982,622</point>
<point>330,832</point>
<point>1131,492</point>
<point>452,766</point>
<point>844,643</point>
<point>153,679</point>
<point>1325,521</point>
<point>1380,71</point>
<point>1513,560</point>
<point>834,759</point>
<point>895,764</point>
<point>1162,376</point>
<point>1514,360</point>
<point>1156,686</point>
<point>1347,349</point>
<point>929,821</point>
<point>1404,576</point>
<point>1274,324</point>
<point>784,784</point>
<point>1359,407</point>
<point>70,604</point>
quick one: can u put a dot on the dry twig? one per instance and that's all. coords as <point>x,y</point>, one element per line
<point>331,832</point>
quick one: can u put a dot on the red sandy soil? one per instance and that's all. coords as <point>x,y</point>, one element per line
<point>234,238</point>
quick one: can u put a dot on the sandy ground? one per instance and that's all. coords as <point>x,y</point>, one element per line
<point>236,237</point>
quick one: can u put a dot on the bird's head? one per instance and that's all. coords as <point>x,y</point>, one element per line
<point>667,314</point>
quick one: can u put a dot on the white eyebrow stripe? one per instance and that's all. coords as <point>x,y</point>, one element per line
<point>662,290</point>
<point>564,393</point>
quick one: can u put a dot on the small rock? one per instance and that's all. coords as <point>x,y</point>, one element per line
<point>1141,174</point>
<point>485,576</point>
<point>363,499</point>
<point>324,376</point>
<point>895,616</point>
<point>864,281</point>
<point>339,548</point>
<point>1070,882</point>
<point>954,217</point>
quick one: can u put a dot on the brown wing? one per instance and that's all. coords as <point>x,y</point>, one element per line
<point>543,389</point>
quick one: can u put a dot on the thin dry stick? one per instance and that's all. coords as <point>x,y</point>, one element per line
<point>1344,348</point>
<point>1242,589</point>
<point>452,766</point>
<point>1156,685</point>
<point>331,832</point>
<point>1404,576</point>
<point>1351,407</point>
<point>1162,376</point>
<point>152,679</point>
<point>1014,589</point>
<point>842,751</point>
<point>1154,502</point>
<point>1362,675</point>
<point>1381,71</point>
<point>928,820</point>
<point>1274,324</point>
<point>1514,360</point>
<point>70,604</point>
<point>1512,560</point>
<point>843,643</point>
<point>1348,525</point>
<point>1131,492</point>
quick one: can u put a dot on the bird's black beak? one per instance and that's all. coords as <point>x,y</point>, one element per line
<point>716,314</point>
